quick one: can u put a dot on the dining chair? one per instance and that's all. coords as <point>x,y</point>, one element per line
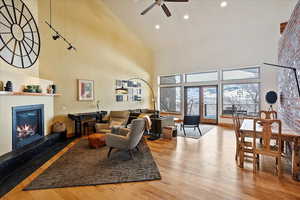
<point>263,114</point>
<point>191,121</point>
<point>270,115</point>
<point>244,147</point>
<point>267,148</point>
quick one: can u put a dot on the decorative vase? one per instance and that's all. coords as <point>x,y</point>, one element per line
<point>54,89</point>
<point>9,86</point>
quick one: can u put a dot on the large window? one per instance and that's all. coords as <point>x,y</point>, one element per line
<point>245,97</point>
<point>239,87</point>
<point>241,74</point>
<point>170,99</point>
<point>201,77</point>
<point>169,80</point>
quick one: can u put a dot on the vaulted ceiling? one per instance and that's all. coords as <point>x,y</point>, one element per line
<point>206,19</point>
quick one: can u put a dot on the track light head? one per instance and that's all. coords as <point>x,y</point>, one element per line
<point>70,47</point>
<point>55,37</point>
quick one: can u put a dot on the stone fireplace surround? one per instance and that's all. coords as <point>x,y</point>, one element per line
<point>289,55</point>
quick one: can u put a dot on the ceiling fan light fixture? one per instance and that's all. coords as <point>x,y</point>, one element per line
<point>157,26</point>
<point>162,4</point>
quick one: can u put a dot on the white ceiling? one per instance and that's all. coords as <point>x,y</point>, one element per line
<point>207,19</point>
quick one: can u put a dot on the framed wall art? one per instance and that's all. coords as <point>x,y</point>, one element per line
<point>85,90</point>
<point>128,91</point>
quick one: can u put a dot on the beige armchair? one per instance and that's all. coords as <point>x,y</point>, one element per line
<point>115,119</point>
<point>126,139</point>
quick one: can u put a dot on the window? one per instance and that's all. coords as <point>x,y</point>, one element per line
<point>169,80</point>
<point>238,74</point>
<point>170,99</point>
<point>201,77</point>
<point>245,97</point>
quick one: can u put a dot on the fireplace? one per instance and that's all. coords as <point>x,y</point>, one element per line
<point>28,125</point>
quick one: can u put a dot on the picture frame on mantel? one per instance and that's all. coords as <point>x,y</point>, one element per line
<point>85,90</point>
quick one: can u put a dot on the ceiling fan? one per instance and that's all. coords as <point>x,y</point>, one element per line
<point>162,5</point>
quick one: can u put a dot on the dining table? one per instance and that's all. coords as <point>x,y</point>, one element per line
<point>287,134</point>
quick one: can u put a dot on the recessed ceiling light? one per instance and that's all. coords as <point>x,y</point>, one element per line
<point>186,16</point>
<point>157,26</point>
<point>223,4</point>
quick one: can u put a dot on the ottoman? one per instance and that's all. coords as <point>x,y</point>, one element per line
<point>96,140</point>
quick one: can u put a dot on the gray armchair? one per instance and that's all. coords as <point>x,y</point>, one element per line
<point>126,139</point>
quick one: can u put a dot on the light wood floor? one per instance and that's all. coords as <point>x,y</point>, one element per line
<point>190,169</point>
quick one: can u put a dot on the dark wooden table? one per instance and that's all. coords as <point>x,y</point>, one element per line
<point>80,117</point>
<point>288,135</point>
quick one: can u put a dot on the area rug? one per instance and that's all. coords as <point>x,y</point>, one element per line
<point>194,134</point>
<point>82,166</point>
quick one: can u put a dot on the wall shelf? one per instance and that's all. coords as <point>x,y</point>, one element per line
<point>4,93</point>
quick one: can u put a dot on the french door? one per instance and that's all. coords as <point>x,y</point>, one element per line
<point>202,101</point>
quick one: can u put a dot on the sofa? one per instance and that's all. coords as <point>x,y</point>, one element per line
<point>114,119</point>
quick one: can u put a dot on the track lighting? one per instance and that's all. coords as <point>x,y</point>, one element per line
<point>58,36</point>
<point>55,37</point>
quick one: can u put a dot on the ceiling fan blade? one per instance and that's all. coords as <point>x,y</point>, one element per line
<point>166,10</point>
<point>149,8</point>
<point>176,0</point>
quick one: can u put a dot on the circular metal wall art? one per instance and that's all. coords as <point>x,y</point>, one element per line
<point>19,35</point>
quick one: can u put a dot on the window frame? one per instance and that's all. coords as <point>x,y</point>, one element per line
<point>171,86</point>
<point>219,82</point>
<point>162,85</point>
<point>240,83</point>
<point>240,68</point>
<point>206,72</point>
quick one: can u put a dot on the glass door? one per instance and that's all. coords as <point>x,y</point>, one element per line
<point>209,104</point>
<point>192,101</point>
<point>202,101</point>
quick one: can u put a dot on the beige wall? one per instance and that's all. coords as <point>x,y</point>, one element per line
<point>106,51</point>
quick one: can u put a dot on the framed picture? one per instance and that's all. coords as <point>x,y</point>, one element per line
<point>85,90</point>
<point>119,98</point>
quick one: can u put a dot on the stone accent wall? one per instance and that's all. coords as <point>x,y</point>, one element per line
<point>289,55</point>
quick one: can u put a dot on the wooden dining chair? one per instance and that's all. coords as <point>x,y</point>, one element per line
<point>267,133</point>
<point>244,147</point>
<point>263,114</point>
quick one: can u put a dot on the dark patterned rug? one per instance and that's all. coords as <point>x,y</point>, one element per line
<point>82,166</point>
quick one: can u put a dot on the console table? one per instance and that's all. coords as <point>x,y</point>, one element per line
<point>80,117</point>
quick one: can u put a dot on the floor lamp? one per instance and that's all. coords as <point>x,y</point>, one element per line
<point>291,68</point>
<point>125,91</point>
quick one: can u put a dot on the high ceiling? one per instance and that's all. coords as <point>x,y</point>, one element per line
<point>207,19</point>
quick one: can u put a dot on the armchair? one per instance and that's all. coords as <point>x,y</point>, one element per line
<point>115,119</point>
<point>126,139</point>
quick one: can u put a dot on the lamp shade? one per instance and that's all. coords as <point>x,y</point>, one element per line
<point>122,90</point>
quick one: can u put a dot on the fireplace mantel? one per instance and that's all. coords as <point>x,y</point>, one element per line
<point>4,93</point>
